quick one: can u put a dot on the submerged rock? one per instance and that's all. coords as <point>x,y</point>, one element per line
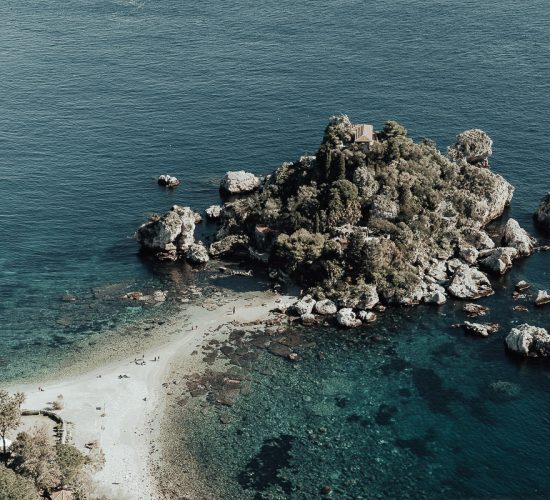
<point>346,317</point>
<point>530,341</point>
<point>517,237</point>
<point>469,283</point>
<point>239,182</point>
<point>542,215</point>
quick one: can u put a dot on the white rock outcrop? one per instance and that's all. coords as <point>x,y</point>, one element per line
<point>239,182</point>
<point>528,340</point>
<point>346,317</point>
<point>214,212</point>
<point>517,237</point>
<point>325,307</point>
<point>304,306</point>
<point>166,235</point>
<point>469,283</point>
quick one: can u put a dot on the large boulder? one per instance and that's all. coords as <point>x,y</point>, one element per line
<point>197,254</point>
<point>325,307</point>
<point>165,235</point>
<point>469,283</point>
<point>542,215</point>
<point>499,260</point>
<point>304,305</point>
<point>229,245</point>
<point>239,182</point>
<point>517,237</point>
<point>528,340</point>
<point>473,146</point>
<point>346,317</point>
<point>168,181</point>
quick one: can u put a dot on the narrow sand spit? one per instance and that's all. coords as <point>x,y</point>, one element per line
<point>119,404</point>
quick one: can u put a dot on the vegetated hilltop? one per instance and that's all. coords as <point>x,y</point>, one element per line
<point>390,217</point>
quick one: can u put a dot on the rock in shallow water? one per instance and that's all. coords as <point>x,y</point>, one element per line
<point>197,254</point>
<point>517,237</point>
<point>469,283</point>
<point>480,329</point>
<point>498,260</point>
<point>346,317</point>
<point>528,340</point>
<point>168,234</point>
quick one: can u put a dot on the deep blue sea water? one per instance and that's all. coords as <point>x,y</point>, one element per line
<point>97,98</point>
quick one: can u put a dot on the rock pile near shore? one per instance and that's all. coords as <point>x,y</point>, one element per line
<point>171,236</point>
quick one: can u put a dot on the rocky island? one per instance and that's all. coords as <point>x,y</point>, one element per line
<point>372,218</point>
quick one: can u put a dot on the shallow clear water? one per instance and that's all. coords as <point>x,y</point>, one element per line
<point>98,98</point>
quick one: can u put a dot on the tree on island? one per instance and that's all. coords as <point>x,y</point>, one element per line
<point>10,414</point>
<point>15,487</point>
<point>35,456</point>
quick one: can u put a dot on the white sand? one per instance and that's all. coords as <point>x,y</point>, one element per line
<point>123,414</point>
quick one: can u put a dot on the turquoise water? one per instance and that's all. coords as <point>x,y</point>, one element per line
<point>97,98</point>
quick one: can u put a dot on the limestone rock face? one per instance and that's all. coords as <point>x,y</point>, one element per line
<point>517,237</point>
<point>229,245</point>
<point>528,340</point>
<point>346,317</point>
<point>165,235</point>
<point>304,305</point>
<point>469,283</point>
<point>542,215</point>
<point>239,182</point>
<point>468,254</point>
<point>197,254</point>
<point>499,260</point>
<point>325,307</point>
<point>214,212</point>
<point>473,145</point>
<point>496,199</point>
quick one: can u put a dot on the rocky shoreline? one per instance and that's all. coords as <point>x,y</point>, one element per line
<point>363,225</point>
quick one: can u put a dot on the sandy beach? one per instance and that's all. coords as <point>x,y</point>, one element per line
<point>120,404</point>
